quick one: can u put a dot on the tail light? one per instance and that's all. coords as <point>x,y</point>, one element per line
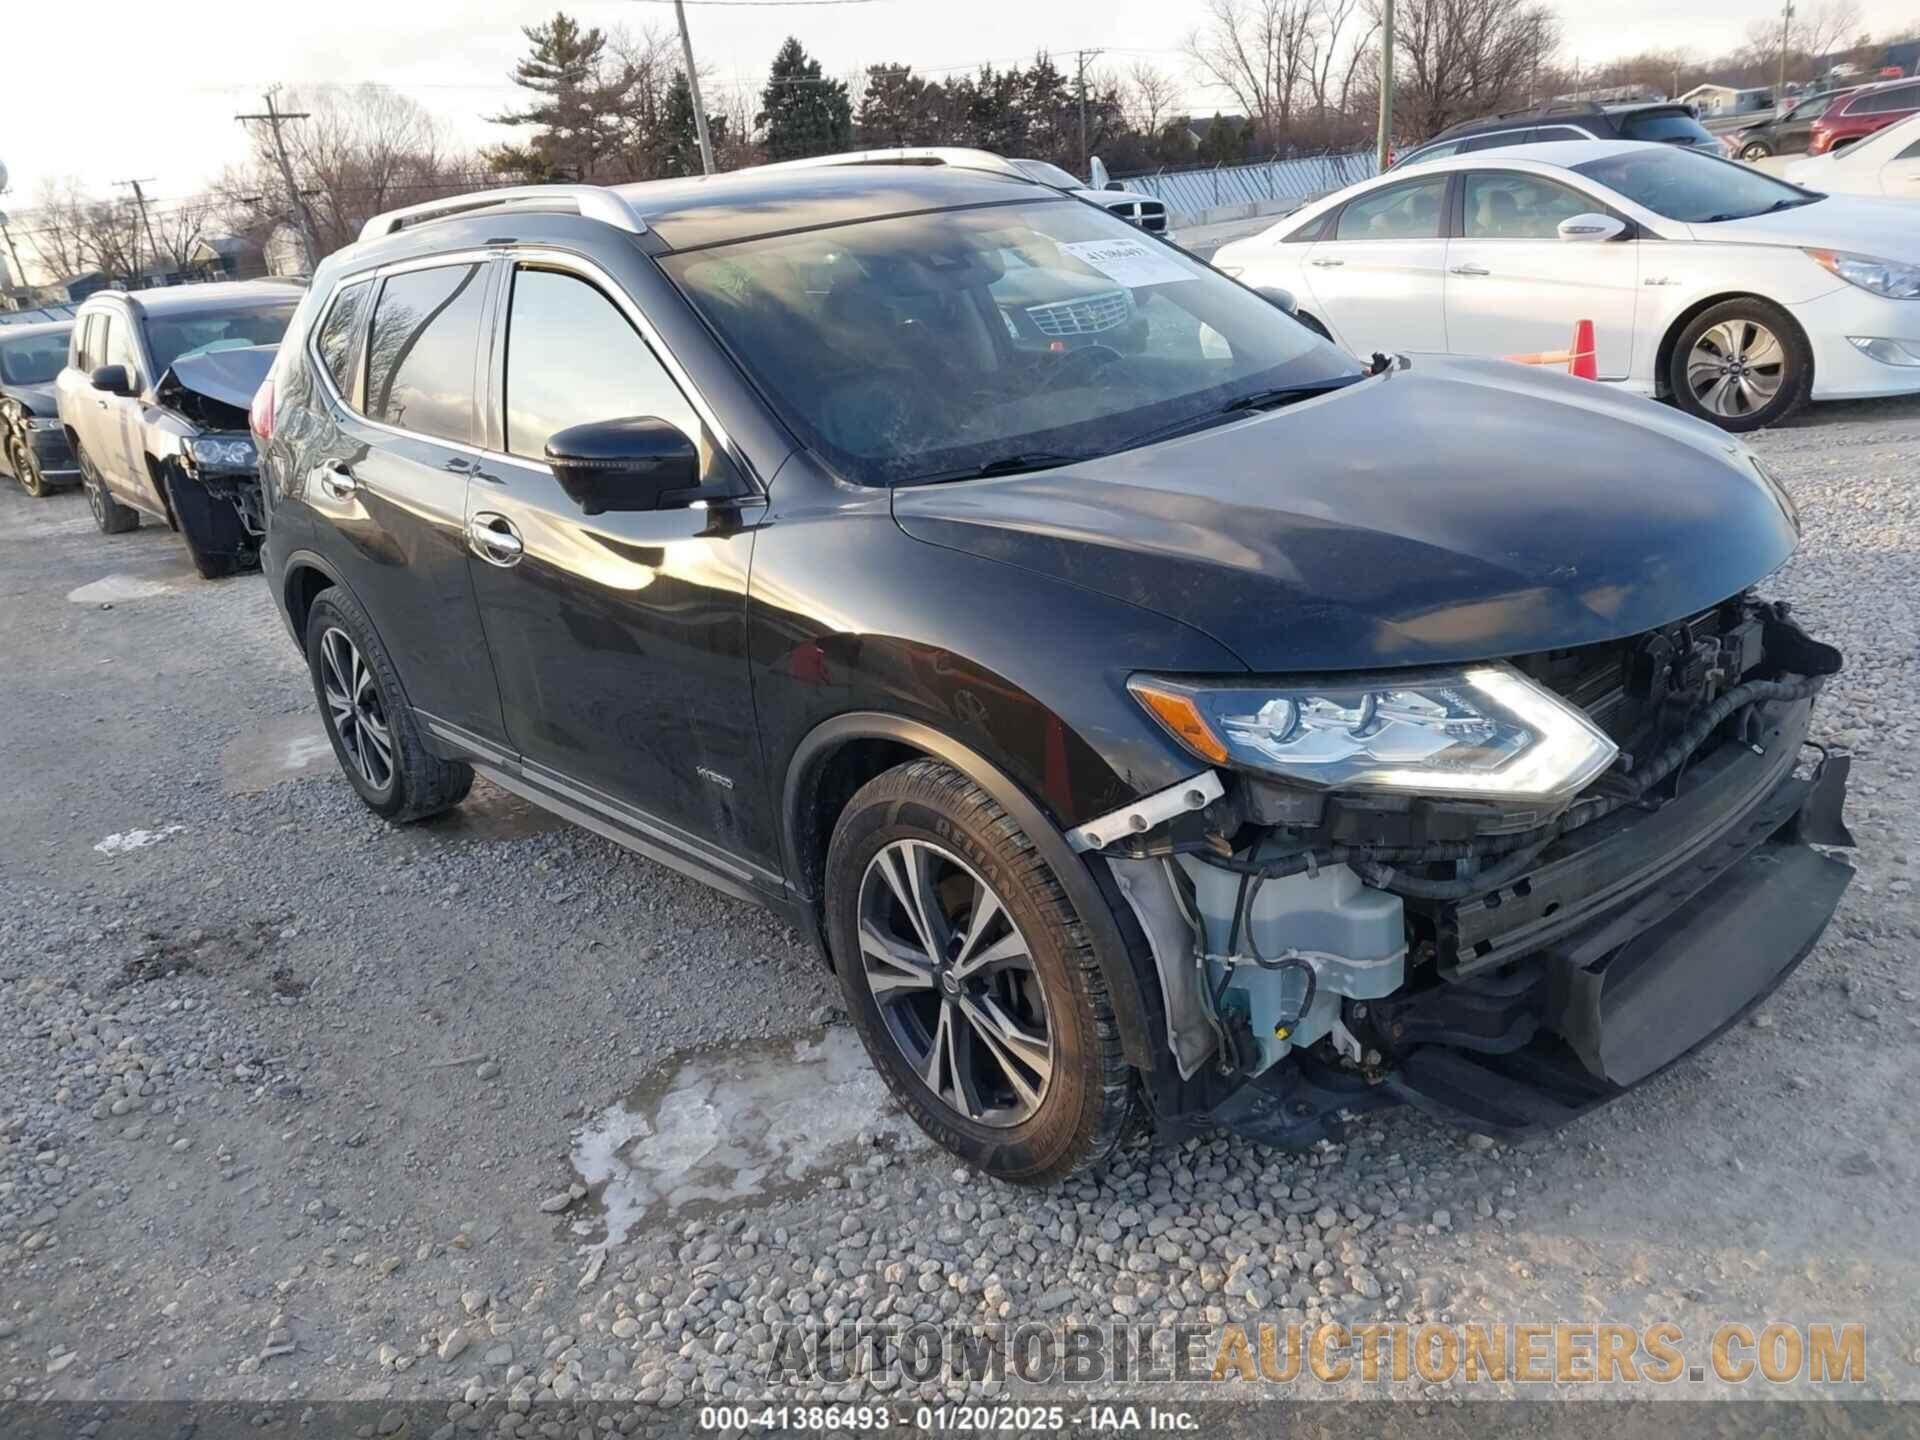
<point>260,414</point>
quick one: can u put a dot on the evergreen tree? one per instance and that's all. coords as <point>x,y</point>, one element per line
<point>802,112</point>
<point>898,109</point>
<point>576,112</point>
<point>680,137</point>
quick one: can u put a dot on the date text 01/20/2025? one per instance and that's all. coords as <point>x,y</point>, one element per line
<point>938,1419</point>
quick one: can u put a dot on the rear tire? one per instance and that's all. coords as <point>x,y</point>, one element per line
<point>1742,364</point>
<point>109,514</point>
<point>215,538</point>
<point>983,1006</point>
<point>372,730</point>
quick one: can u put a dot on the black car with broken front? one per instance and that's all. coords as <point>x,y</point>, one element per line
<point>33,447</point>
<point>1148,709</point>
<point>153,402</point>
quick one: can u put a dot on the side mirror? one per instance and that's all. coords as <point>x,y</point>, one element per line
<point>634,463</point>
<point>1591,227</point>
<point>113,379</point>
<point>1281,300</point>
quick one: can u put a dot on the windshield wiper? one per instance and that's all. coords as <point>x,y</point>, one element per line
<point>1004,465</point>
<point>1791,202</point>
<point>1269,399</point>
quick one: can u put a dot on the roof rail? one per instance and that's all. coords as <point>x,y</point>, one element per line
<point>959,157</point>
<point>591,202</point>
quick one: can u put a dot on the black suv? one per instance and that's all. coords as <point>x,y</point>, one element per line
<point>1190,721</point>
<point>1666,122</point>
<point>1789,130</point>
<point>33,446</point>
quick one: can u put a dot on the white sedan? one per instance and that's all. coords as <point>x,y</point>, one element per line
<point>1884,164</point>
<point>1737,295</point>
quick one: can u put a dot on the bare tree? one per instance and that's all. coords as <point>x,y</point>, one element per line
<point>1257,51</point>
<point>1455,59</point>
<point>360,151</point>
<point>1337,46</point>
<point>71,233</point>
<point>1151,95</point>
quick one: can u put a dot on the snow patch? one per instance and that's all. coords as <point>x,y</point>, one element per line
<point>136,839</point>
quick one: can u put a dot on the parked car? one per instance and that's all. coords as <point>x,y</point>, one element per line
<point>1662,122</point>
<point>1864,111</point>
<point>1885,165</point>
<point>154,401</point>
<point>1117,722</point>
<point>1789,132</point>
<point>1136,207</point>
<point>33,447</point>
<point>1735,295</point>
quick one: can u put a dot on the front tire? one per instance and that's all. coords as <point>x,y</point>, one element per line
<point>372,729</point>
<point>1742,364</point>
<point>972,980</point>
<point>1755,150</point>
<point>25,469</point>
<point>109,514</point>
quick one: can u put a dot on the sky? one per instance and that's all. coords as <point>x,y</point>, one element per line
<point>159,100</point>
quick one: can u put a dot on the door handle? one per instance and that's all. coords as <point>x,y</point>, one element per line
<point>1326,264</point>
<point>337,480</point>
<point>1469,270</point>
<point>494,538</point>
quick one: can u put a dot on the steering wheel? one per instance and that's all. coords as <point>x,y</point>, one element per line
<point>1077,366</point>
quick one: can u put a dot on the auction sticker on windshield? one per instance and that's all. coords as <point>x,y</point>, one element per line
<point>1133,263</point>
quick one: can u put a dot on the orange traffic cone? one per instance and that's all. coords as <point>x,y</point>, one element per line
<point>1583,363</point>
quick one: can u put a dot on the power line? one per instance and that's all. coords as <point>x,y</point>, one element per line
<point>275,118</point>
<point>760,4</point>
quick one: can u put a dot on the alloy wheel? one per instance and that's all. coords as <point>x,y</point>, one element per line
<point>354,709</point>
<point>1736,368</point>
<point>955,984</point>
<point>97,503</point>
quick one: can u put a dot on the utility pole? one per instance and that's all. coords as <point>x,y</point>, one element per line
<point>274,119</point>
<point>19,275</point>
<point>140,199</point>
<point>1082,56</point>
<point>1786,25</point>
<point>693,85</point>
<point>1383,143</point>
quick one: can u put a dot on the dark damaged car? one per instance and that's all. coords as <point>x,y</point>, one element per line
<point>33,446</point>
<point>1189,723</point>
<point>153,401</point>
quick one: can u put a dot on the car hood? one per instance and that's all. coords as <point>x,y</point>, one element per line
<point>1889,229</point>
<point>228,376</point>
<point>1450,511</point>
<point>40,399</point>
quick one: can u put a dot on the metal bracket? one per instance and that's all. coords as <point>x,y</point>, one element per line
<point>1194,793</point>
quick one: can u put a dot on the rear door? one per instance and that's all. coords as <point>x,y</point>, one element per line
<point>386,484</point>
<point>619,638</point>
<point>1515,287</point>
<point>1379,279</point>
<point>120,450</point>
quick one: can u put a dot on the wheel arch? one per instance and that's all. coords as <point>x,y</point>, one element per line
<point>1663,355</point>
<point>302,579</point>
<point>841,754</point>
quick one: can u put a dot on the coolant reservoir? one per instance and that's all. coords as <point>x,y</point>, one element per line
<point>1354,937</point>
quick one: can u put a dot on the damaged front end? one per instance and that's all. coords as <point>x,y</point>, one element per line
<point>208,444</point>
<point>1504,893</point>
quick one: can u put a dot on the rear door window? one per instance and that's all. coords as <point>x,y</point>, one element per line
<point>426,331</point>
<point>1399,212</point>
<point>339,341</point>
<point>1886,102</point>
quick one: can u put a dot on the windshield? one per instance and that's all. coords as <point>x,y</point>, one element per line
<point>1047,174</point>
<point>931,345</point>
<point>1675,127</point>
<point>1688,186</point>
<point>33,359</point>
<point>175,337</point>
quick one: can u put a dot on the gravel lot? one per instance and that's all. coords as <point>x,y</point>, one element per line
<point>295,1106</point>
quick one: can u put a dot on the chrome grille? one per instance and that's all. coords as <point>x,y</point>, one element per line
<point>1147,214</point>
<point>1092,316</point>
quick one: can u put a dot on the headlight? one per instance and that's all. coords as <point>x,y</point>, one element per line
<point>1890,278</point>
<point>221,450</point>
<point>1482,732</point>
